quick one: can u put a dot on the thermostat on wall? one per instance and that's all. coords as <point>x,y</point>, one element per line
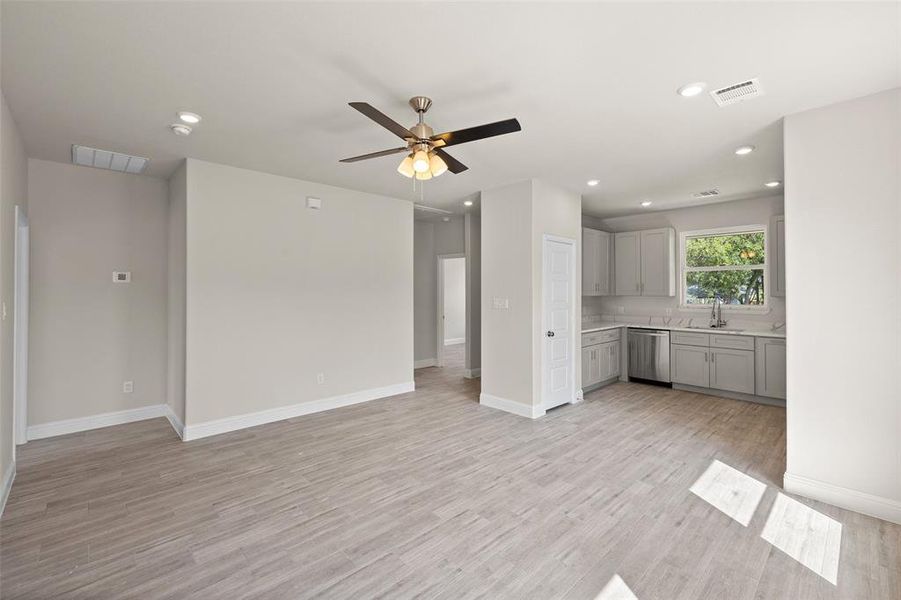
<point>314,203</point>
<point>122,276</point>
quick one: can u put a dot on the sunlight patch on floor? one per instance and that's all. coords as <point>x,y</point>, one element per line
<point>616,589</point>
<point>729,491</point>
<point>805,534</point>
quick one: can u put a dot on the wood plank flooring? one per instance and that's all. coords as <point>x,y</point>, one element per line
<point>425,495</point>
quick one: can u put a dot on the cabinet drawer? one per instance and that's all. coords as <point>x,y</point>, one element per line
<point>735,342</point>
<point>600,337</point>
<point>690,339</point>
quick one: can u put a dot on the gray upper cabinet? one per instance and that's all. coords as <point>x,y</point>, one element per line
<point>646,263</point>
<point>690,365</point>
<point>596,262</point>
<point>627,255</point>
<point>732,370</point>
<point>658,262</point>
<point>771,367</point>
<point>777,256</point>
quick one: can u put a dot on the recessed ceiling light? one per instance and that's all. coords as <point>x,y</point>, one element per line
<point>593,182</point>
<point>445,219</point>
<point>692,89</point>
<point>467,203</point>
<point>646,203</point>
<point>773,183</point>
<point>179,129</point>
<point>189,117</point>
<point>742,150</point>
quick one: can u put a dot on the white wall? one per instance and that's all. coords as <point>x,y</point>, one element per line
<point>278,293</point>
<point>88,334</point>
<point>473,249</point>
<point>843,237</point>
<point>175,384</point>
<point>13,191</point>
<point>431,238</point>
<point>754,211</point>
<point>455,301</point>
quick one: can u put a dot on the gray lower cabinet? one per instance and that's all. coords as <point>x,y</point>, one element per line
<point>689,365</point>
<point>732,370</point>
<point>771,367</point>
<point>600,363</point>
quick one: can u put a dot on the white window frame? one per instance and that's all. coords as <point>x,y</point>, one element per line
<point>684,270</point>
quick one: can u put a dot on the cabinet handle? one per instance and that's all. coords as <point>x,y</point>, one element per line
<point>713,357</point>
<point>705,357</point>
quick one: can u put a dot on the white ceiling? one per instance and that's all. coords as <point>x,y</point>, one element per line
<point>592,84</point>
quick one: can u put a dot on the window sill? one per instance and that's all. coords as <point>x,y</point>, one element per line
<point>758,310</point>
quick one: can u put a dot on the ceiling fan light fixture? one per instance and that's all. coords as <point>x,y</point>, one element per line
<point>437,166</point>
<point>420,161</point>
<point>405,167</point>
<point>424,175</point>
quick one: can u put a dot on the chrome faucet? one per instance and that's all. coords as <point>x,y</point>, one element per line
<point>716,314</point>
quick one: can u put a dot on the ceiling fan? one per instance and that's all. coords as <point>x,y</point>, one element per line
<point>426,157</point>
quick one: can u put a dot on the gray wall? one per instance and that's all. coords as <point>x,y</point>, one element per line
<point>843,237</point>
<point>278,293</point>
<point>13,191</point>
<point>473,247</point>
<point>175,381</point>
<point>754,211</point>
<point>87,334</point>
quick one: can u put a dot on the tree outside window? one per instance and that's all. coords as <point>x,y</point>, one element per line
<point>729,265</point>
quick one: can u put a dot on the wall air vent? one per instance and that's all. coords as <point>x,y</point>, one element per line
<point>737,92</point>
<point>706,193</point>
<point>104,159</point>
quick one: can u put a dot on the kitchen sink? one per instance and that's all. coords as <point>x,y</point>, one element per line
<point>709,328</point>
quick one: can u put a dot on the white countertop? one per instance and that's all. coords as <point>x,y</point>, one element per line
<point>592,326</point>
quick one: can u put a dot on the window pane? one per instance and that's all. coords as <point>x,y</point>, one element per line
<point>724,250</point>
<point>734,287</point>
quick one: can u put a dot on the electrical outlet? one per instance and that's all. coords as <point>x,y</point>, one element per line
<point>320,378</point>
<point>128,387</point>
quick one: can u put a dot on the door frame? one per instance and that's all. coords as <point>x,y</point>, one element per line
<point>439,315</point>
<point>20,329</point>
<point>575,341</point>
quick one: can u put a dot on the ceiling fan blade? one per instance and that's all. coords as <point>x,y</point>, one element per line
<point>375,155</point>
<point>461,136</point>
<point>453,165</point>
<point>383,120</point>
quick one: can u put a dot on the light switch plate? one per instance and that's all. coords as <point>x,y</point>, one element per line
<point>314,203</point>
<point>122,276</point>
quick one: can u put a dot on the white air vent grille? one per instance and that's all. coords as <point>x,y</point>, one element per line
<point>429,209</point>
<point>706,193</point>
<point>104,159</point>
<point>737,92</point>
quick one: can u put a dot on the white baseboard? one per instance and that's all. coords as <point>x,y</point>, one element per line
<point>8,479</point>
<point>425,362</point>
<point>868,504</point>
<point>176,423</point>
<point>511,406</point>
<point>454,341</point>
<point>472,373</point>
<point>54,428</point>
<point>202,430</point>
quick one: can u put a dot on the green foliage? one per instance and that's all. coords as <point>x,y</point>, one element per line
<point>735,286</point>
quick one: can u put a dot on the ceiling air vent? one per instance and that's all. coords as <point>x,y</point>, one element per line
<point>706,193</point>
<point>737,92</point>
<point>431,210</point>
<point>104,159</point>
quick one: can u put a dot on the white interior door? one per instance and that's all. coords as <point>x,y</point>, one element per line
<point>20,330</point>
<point>558,354</point>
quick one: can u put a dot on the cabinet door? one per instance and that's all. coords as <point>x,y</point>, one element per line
<point>732,370</point>
<point>591,241</point>
<point>605,266</point>
<point>777,256</point>
<point>627,258</point>
<point>658,262</point>
<point>611,352</point>
<point>690,365</point>
<point>771,367</point>
<point>586,367</point>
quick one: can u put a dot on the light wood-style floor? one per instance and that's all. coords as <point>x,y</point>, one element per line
<point>424,495</point>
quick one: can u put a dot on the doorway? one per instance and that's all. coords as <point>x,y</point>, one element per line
<point>558,320</point>
<point>451,339</point>
<point>20,330</point>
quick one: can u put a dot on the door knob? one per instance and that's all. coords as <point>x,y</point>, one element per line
<point>550,334</point>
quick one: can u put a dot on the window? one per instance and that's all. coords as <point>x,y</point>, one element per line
<point>725,263</point>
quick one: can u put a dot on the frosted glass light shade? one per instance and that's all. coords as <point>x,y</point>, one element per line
<point>424,176</point>
<point>406,167</point>
<point>437,165</point>
<point>420,161</point>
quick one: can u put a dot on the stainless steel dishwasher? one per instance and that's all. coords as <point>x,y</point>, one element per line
<point>649,354</point>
